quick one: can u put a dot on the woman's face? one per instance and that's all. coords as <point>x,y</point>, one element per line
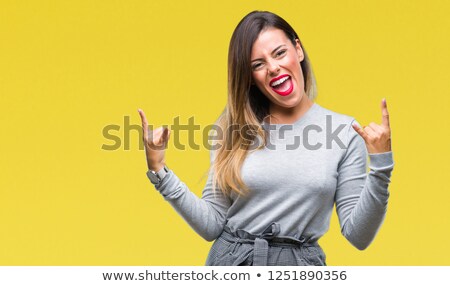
<point>276,71</point>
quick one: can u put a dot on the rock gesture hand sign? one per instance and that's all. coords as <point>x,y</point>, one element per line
<point>377,137</point>
<point>155,143</point>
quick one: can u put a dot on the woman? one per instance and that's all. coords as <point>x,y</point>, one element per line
<point>271,190</point>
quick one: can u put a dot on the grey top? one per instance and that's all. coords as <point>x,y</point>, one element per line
<point>307,167</point>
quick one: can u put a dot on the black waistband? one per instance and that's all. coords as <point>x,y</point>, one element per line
<point>271,235</point>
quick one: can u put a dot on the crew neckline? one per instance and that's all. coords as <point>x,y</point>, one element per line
<point>302,118</point>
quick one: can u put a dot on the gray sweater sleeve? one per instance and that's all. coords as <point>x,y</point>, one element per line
<point>206,215</point>
<point>361,198</point>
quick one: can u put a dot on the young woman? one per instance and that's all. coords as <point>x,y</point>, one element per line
<point>271,188</point>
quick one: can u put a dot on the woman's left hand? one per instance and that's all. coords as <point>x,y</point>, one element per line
<point>377,137</point>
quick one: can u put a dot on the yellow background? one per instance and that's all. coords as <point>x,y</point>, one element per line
<point>70,68</point>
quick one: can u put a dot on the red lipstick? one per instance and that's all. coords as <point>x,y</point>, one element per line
<point>282,85</point>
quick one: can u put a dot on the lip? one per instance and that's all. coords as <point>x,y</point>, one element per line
<point>277,78</point>
<point>286,92</point>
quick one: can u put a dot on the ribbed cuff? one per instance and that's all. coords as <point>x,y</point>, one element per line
<point>381,161</point>
<point>168,184</point>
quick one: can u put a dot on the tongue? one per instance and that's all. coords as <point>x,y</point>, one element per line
<point>284,86</point>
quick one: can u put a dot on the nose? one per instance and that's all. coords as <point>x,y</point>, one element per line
<point>273,68</point>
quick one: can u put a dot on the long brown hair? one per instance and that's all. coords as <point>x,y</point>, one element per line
<point>247,106</point>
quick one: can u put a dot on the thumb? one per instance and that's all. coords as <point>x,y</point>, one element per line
<point>166,134</point>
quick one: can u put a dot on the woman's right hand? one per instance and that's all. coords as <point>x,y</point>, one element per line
<point>155,143</point>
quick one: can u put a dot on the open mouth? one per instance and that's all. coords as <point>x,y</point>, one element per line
<point>282,85</point>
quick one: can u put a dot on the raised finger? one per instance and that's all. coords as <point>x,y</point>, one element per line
<point>385,113</point>
<point>144,123</point>
<point>360,131</point>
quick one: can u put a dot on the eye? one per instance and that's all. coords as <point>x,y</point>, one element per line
<point>280,53</point>
<point>256,66</point>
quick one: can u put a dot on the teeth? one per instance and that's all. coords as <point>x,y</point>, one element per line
<point>280,81</point>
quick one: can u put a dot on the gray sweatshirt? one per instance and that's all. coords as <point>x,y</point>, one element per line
<point>307,167</point>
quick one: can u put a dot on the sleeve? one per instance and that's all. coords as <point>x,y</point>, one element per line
<point>206,215</point>
<point>361,198</point>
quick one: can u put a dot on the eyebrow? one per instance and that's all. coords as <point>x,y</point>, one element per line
<point>274,51</point>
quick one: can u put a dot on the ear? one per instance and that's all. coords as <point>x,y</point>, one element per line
<point>298,48</point>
